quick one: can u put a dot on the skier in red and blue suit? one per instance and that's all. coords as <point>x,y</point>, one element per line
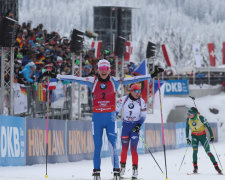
<point>134,114</point>
<point>104,89</point>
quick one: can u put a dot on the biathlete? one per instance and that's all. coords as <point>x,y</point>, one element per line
<point>103,90</point>
<point>198,123</point>
<point>134,114</point>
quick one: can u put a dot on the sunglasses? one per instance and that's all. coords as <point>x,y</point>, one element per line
<point>103,68</point>
<point>189,114</point>
<point>137,91</point>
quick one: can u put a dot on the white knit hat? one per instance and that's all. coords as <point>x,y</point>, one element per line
<point>103,62</point>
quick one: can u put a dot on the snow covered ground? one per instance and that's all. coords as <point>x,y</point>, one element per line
<point>148,170</point>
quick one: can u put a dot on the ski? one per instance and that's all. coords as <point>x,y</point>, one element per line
<point>127,178</point>
<point>199,173</point>
<point>192,173</point>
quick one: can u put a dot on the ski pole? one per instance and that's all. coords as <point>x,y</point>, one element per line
<point>183,157</point>
<point>46,173</point>
<point>217,156</point>
<point>151,154</point>
<point>193,98</point>
<point>164,144</point>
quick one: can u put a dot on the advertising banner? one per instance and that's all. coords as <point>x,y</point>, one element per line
<point>12,141</point>
<point>36,141</point>
<point>176,87</point>
<point>181,135</point>
<point>153,137</point>
<point>80,144</point>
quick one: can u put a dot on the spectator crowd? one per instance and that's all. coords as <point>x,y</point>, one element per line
<point>38,53</point>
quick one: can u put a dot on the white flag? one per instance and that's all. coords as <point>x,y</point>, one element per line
<point>197,55</point>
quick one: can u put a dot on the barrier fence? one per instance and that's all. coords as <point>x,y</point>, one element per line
<point>23,140</point>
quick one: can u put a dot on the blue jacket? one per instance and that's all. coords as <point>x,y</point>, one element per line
<point>26,72</point>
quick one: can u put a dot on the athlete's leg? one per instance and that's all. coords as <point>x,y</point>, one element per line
<point>125,138</point>
<point>195,143</point>
<point>111,131</point>
<point>133,147</point>
<point>205,143</point>
<point>97,127</point>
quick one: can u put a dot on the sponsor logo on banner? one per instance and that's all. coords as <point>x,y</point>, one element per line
<point>80,144</point>
<point>36,141</point>
<point>176,87</point>
<point>180,135</point>
<point>12,141</point>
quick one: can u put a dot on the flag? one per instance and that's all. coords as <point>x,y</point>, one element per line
<point>142,70</point>
<point>212,55</point>
<point>168,55</point>
<point>23,89</point>
<point>128,50</point>
<point>41,92</point>
<point>97,46</point>
<point>197,55</point>
<point>20,41</point>
<point>52,84</point>
<point>223,52</point>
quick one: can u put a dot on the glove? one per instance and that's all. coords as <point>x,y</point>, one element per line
<point>211,139</point>
<point>137,128</point>
<point>156,71</point>
<point>188,141</point>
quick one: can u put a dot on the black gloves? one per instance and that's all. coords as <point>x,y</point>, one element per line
<point>137,128</point>
<point>156,71</point>
<point>211,139</point>
<point>188,141</point>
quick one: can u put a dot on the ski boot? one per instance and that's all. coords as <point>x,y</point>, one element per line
<point>116,173</point>
<point>122,169</point>
<point>218,169</point>
<point>134,172</point>
<point>195,168</point>
<point>96,174</point>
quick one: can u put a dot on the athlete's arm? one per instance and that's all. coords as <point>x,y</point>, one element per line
<point>206,124</point>
<point>81,80</point>
<point>187,128</point>
<point>143,112</point>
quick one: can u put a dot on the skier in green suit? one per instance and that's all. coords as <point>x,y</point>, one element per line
<point>198,123</point>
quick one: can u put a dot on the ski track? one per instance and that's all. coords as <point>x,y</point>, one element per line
<point>148,170</point>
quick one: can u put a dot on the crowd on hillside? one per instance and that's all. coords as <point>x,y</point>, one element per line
<point>39,52</point>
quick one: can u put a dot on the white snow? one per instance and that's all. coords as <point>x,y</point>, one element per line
<point>148,170</point>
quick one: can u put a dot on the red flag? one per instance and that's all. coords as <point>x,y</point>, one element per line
<point>128,51</point>
<point>212,55</point>
<point>223,52</point>
<point>165,54</point>
<point>97,46</point>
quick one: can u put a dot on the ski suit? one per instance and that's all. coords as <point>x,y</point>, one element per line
<point>104,109</point>
<point>198,134</point>
<point>134,112</point>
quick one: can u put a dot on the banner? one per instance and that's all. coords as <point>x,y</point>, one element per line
<point>36,141</point>
<point>168,55</point>
<point>223,53</point>
<point>20,98</point>
<point>176,87</point>
<point>128,51</point>
<point>12,141</point>
<point>181,135</point>
<point>197,55</point>
<point>80,144</point>
<point>212,55</point>
<point>97,46</point>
